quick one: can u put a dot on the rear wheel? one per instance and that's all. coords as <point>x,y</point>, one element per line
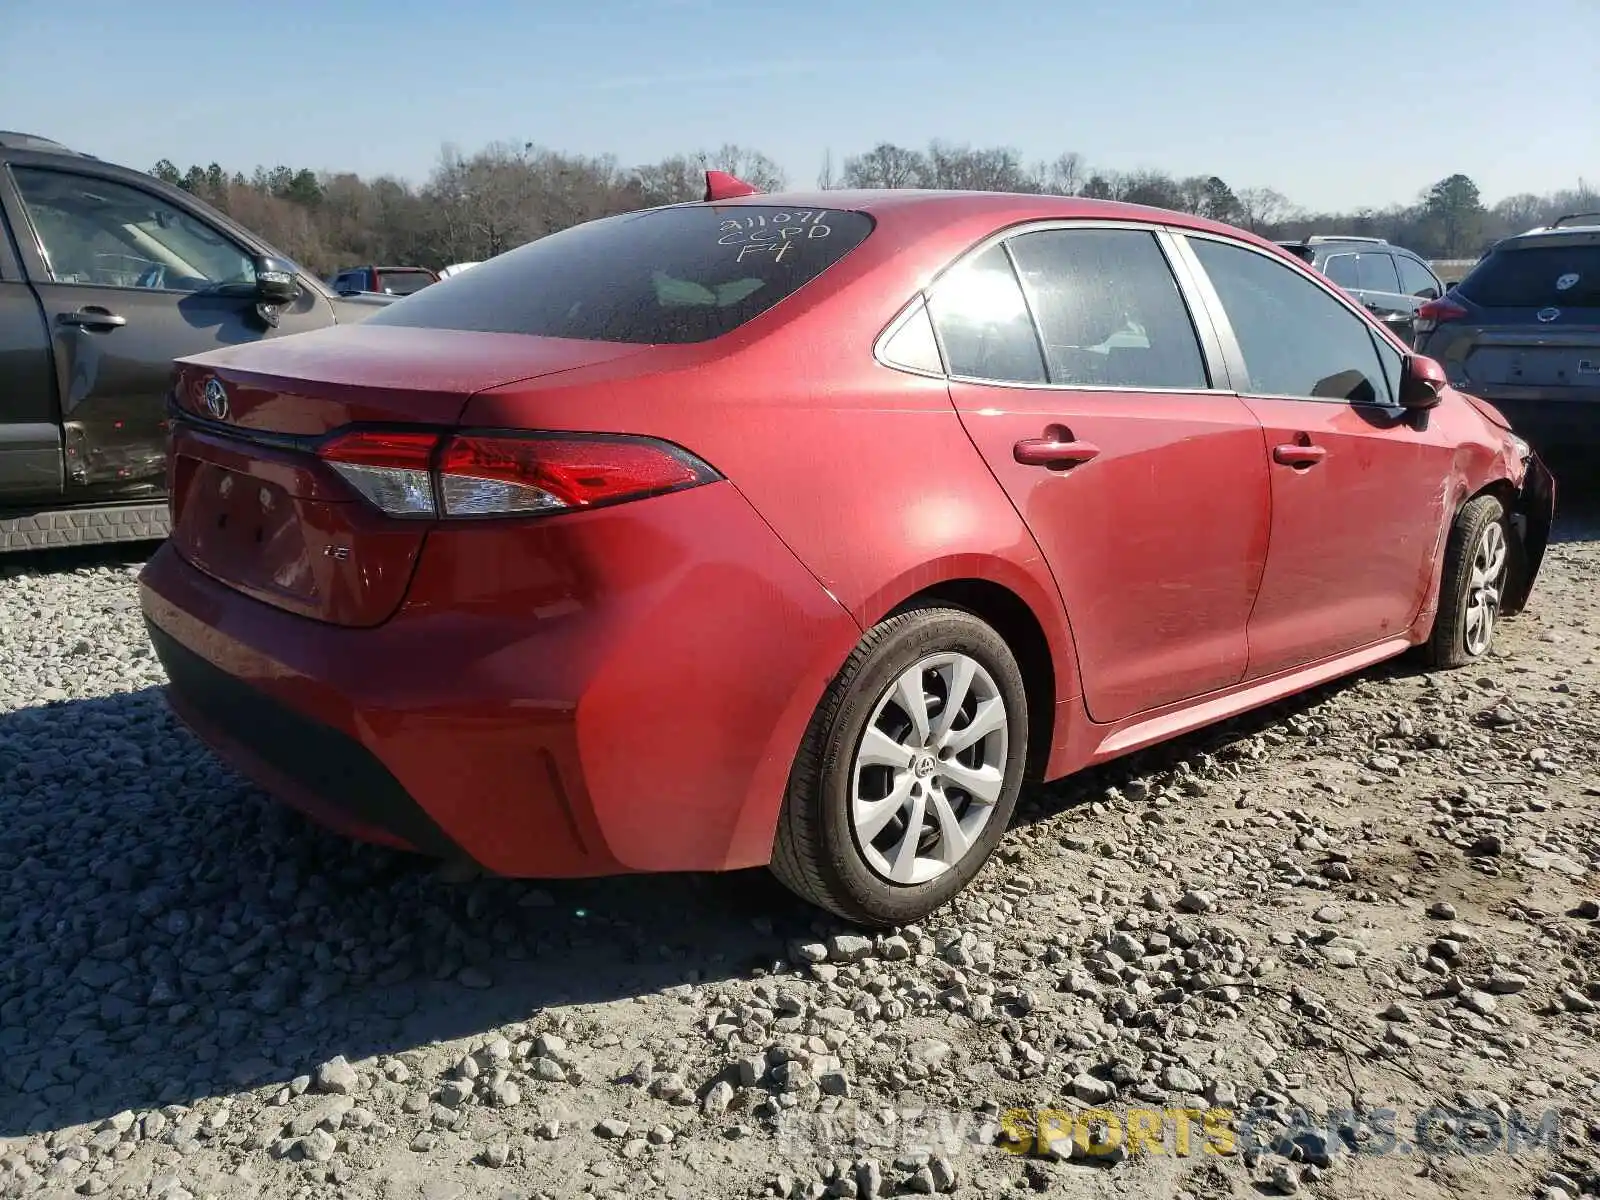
<point>909,771</point>
<point>1477,562</point>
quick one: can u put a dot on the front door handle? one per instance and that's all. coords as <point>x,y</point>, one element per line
<point>1048,452</point>
<point>93,318</point>
<point>1299,456</point>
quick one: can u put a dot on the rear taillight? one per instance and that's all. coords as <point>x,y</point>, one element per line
<point>423,474</point>
<point>1436,312</point>
<point>390,468</point>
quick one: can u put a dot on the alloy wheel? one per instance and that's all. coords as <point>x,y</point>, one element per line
<point>1487,581</point>
<point>929,769</point>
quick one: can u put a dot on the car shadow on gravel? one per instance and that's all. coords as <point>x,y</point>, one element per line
<point>167,933</point>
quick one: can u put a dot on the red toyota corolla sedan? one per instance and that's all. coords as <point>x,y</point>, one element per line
<point>802,530</point>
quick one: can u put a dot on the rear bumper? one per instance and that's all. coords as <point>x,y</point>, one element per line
<point>615,691</point>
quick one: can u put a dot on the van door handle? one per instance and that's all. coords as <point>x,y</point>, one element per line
<point>1299,456</point>
<point>1048,452</point>
<point>93,318</point>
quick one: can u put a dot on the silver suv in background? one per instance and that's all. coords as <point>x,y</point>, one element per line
<point>1522,330</point>
<point>1389,281</point>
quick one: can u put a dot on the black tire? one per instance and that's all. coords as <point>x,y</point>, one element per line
<point>1449,646</point>
<point>816,854</point>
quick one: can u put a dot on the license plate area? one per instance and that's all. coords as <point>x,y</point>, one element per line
<point>244,529</point>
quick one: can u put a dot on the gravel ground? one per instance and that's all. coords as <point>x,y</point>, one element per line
<point>1330,918</point>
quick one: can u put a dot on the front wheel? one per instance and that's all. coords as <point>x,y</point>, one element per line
<point>909,771</point>
<point>1476,564</point>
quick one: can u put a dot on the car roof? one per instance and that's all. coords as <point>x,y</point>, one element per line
<point>1001,207</point>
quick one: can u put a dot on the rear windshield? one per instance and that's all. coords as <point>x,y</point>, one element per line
<point>403,283</point>
<point>671,275</point>
<point>1560,276</point>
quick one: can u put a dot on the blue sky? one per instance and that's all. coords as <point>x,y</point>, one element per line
<point>1338,103</point>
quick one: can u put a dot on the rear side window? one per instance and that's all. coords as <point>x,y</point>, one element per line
<point>1376,273</point>
<point>1109,310</point>
<point>671,275</point>
<point>1341,268</point>
<point>1559,276</point>
<point>983,323</point>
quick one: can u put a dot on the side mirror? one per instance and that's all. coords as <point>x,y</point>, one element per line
<point>1422,383</point>
<point>275,280</point>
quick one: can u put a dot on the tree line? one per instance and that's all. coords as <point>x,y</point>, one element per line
<point>474,206</point>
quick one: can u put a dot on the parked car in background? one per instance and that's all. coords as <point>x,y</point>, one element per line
<point>106,276</point>
<point>1522,329</point>
<point>1388,280</point>
<point>386,281</point>
<point>799,529</point>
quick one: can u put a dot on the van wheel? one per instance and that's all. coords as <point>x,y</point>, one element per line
<point>909,771</point>
<point>1476,563</point>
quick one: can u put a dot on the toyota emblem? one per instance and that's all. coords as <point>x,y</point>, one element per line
<point>1548,314</point>
<point>216,398</point>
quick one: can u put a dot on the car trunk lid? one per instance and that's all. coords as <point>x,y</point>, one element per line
<point>253,505</point>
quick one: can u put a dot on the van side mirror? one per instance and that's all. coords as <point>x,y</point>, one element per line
<point>1422,383</point>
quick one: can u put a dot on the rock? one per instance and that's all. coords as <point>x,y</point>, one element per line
<point>921,1181</point>
<point>505,1094</point>
<point>895,948</point>
<point>1340,956</point>
<point>1284,1178</point>
<point>1588,910</point>
<point>549,1070</point>
<point>929,1053</point>
<point>318,1145</point>
<point>660,1135</point>
<point>1091,1089</point>
<point>337,1076</point>
<point>717,1099</point>
<point>943,1172</point>
<point>474,977</point>
<point>1442,910</point>
<point>1197,902</point>
<point>669,1086</point>
<point>455,1092</point>
<point>497,1153</point>
<point>1396,1012</point>
<point>1181,1079</point>
<point>1479,1002</point>
<point>808,952</point>
<point>1489,845</point>
<point>834,1083</point>
<point>848,947</point>
<point>612,1127</point>
<point>549,1045</point>
<point>751,1071</point>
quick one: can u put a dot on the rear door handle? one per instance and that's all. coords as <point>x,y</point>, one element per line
<point>93,318</point>
<point>1048,452</point>
<point>1299,456</point>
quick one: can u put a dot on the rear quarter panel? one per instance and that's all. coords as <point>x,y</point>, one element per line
<point>864,472</point>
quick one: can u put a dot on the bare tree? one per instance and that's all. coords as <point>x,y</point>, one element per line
<point>1262,207</point>
<point>886,166</point>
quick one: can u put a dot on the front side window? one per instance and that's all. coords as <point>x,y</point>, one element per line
<point>669,275</point>
<point>1108,309</point>
<point>1296,339</point>
<point>1416,280</point>
<point>96,232</point>
<point>983,324</point>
